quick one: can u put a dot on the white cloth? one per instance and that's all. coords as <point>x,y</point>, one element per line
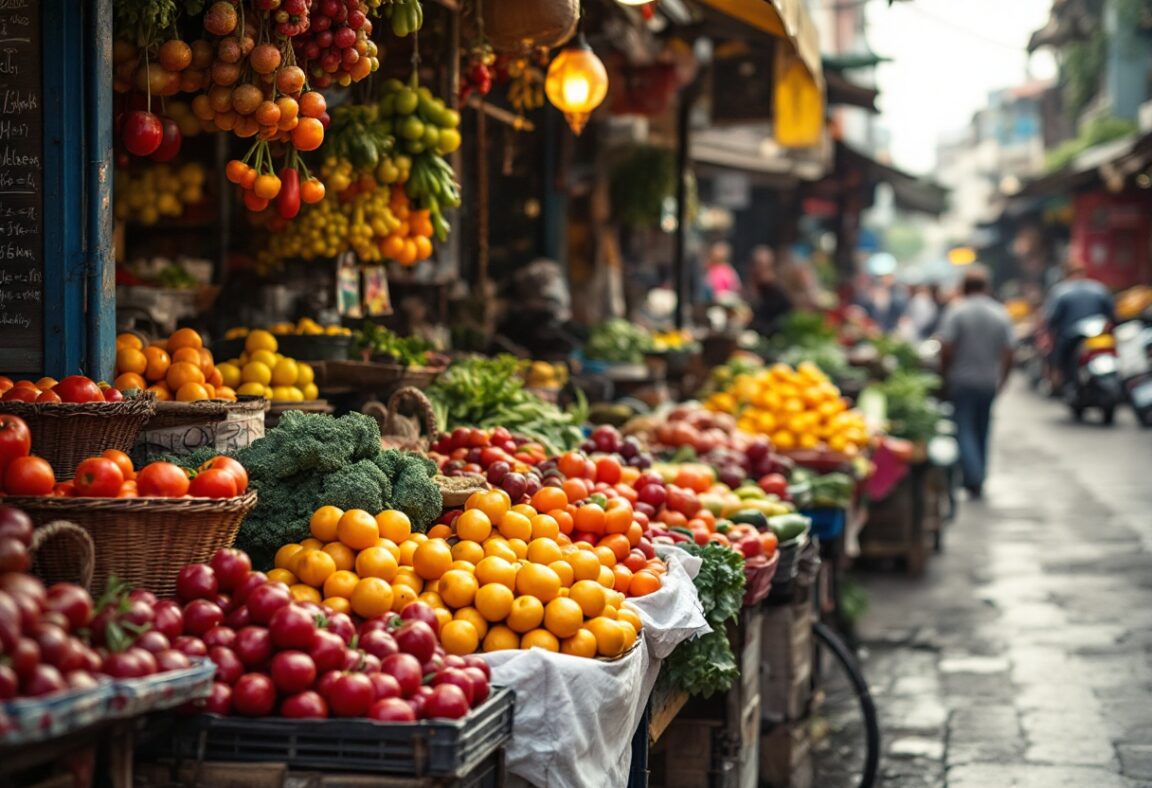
<point>575,716</point>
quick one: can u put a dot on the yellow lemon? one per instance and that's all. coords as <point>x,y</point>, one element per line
<point>260,340</point>
<point>285,373</point>
<point>251,390</point>
<point>266,357</point>
<point>230,374</point>
<point>304,374</point>
<point>256,372</point>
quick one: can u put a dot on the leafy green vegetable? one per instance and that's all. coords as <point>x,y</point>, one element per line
<point>619,342</point>
<point>913,413</point>
<point>408,351</point>
<point>834,490</point>
<point>706,664</point>
<point>489,392</point>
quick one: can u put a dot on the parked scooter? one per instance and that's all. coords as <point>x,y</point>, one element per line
<point>1097,381</point>
<point>1134,361</point>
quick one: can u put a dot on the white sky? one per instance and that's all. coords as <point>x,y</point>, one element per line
<point>947,56</point>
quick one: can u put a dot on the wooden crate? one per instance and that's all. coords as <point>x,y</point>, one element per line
<point>786,757</point>
<point>786,662</point>
<point>896,525</point>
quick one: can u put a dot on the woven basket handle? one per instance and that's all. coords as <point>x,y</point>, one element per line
<point>82,540</point>
<point>410,395</point>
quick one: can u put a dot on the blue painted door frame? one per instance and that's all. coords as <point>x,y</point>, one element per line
<point>79,267</point>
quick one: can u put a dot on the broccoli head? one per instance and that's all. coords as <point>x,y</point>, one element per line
<point>310,443</point>
<point>360,485</point>
<point>414,492</point>
<point>281,516</point>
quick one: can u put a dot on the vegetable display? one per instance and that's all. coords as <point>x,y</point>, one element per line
<point>913,413</point>
<point>379,341</point>
<point>619,342</point>
<point>486,393</point>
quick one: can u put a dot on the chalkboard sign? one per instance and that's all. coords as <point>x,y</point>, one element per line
<point>21,193</point>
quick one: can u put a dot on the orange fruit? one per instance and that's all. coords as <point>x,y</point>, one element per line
<point>184,337</point>
<point>498,546</point>
<point>191,392</point>
<point>407,576</point>
<point>432,559</point>
<point>343,556</point>
<point>515,526</point>
<point>394,525</point>
<point>493,503</point>
<point>495,569</point>
<point>473,617</point>
<point>564,570</point>
<point>304,593</point>
<point>314,567</point>
<point>473,525</point>
<point>590,596</point>
<point>518,547</point>
<point>526,614</point>
<point>540,638</point>
<point>431,599</point>
<point>372,597</point>
<point>402,596</point>
<point>390,546</point>
<point>501,638</point>
<point>472,552</point>
<point>284,555</point>
<point>544,526</point>
<point>443,616</point>
<point>129,340</point>
<point>582,644</point>
<point>609,636</point>
<point>161,392</point>
<point>459,637</point>
<point>130,380</point>
<point>544,551</point>
<point>181,372</point>
<point>407,550</point>
<point>563,617</point>
<point>548,498</point>
<point>585,565</point>
<point>338,604</point>
<point>439,531</point>
<point>312,543</point>
<point>158,363</point>
<point>324,522</point>
<point>207,363</point>
<point>643,583</point>
<point>630,616</point>
<point>377,562</point>
<point>622,578</point>
<point>590,518</point>
<point>618,544</point>
<point>630,633</point>
<point>188,355</point>
<point>282,576</point>
<point>464,566</point>
<point>539,581</point>
<point>341,583</point>
<point>606,555</point>
<point>494,601</point>
<point>130,359</point>
<point>357,529</point>
<point>458,588</point>
<point>607,577</point>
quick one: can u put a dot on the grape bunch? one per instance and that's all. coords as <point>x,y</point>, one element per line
<point>337,48</point>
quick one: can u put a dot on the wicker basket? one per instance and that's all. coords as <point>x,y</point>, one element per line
<point>65,434</point>
<point>70,558</point>
<point>519,26</point>
<point>397,431</point>
<point>381,379</point>
<point>183,414</point>
<point>143,541</point>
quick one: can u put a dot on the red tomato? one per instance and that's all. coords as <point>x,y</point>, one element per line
<point>607,470</point>
<point>123,462</point>
<point>20,394</point>
<point>233,467</point>
<point>77,388</point>
<point>29,476</point>
<point>163,480</point>
<point>213,483</point>
<point>770,542</point>
<point>98,477</point>
<point>15,441</point>
<point>49,396</point>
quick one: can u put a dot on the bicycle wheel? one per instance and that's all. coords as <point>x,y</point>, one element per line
<point>845,732</point>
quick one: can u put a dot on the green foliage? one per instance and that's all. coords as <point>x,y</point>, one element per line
<point>706,664</point>
<point>1096,132</point>
<point>618,341</point>
<point>407,351</point>
<point>912,411</point>
<point>641,181</point>
<point>904,241</point>
<point>1082,70</point>
<point>489,392</point>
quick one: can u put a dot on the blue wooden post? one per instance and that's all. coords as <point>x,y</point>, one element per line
<point>64,263</point>
<point>101,284</point>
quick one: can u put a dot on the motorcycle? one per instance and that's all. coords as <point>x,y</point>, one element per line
<point>1134,362</point>
<point>1097,380</point>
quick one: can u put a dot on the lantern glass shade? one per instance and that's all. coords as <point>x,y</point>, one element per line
<point>577,83</point>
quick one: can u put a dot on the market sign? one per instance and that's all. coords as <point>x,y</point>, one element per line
<point>21,194</point>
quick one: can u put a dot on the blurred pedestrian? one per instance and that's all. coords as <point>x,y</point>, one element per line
<point>976,357</point>
<point>1075,298</point>
<point>720,277</point>
<point>766,293</point>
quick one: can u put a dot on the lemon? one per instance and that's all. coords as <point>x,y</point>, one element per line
<point>311,392</point>
<point>260,340</point>
<point>281,394</point>
<point>265,357</point>
<point>297,394</point>
<point>251,390</point>
<point>256,372</point>
<point>285,372</point>
<point>304,374</point>
<point>230,374</point>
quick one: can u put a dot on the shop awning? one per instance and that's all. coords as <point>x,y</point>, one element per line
<point>750,149</point>
<point>786,19</point>
<point>844,91</point>
<point>910,193</point>
<point>1111,163</point>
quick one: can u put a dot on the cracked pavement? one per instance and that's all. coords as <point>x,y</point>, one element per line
<point>1023,657</point>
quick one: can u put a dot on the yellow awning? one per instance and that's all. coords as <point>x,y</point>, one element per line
<point>799,89</point>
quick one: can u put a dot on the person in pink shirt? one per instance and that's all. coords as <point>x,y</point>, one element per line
<point>719,274</point>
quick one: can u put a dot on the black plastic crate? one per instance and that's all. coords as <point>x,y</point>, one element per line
<point>429,748</point>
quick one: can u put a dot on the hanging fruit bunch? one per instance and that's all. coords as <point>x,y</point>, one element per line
<point>427,130</point>
<point>336,46</point>
<point>260,184</point>
<point>525,78</point>
<point>158,191</point>
<point>404,16</point>
<point>476,76</point>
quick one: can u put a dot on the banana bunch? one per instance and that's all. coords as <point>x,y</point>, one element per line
<point>525,86</point>
<point>426,130</point>
<point>405,16</point>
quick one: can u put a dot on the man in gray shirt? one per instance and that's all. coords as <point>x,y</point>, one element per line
<point>976,334</point>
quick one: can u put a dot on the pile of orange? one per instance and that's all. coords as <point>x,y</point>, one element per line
<point>500,577</point>
<point>177,369</point>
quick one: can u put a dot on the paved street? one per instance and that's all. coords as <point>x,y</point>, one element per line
<point>1024,656</point>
